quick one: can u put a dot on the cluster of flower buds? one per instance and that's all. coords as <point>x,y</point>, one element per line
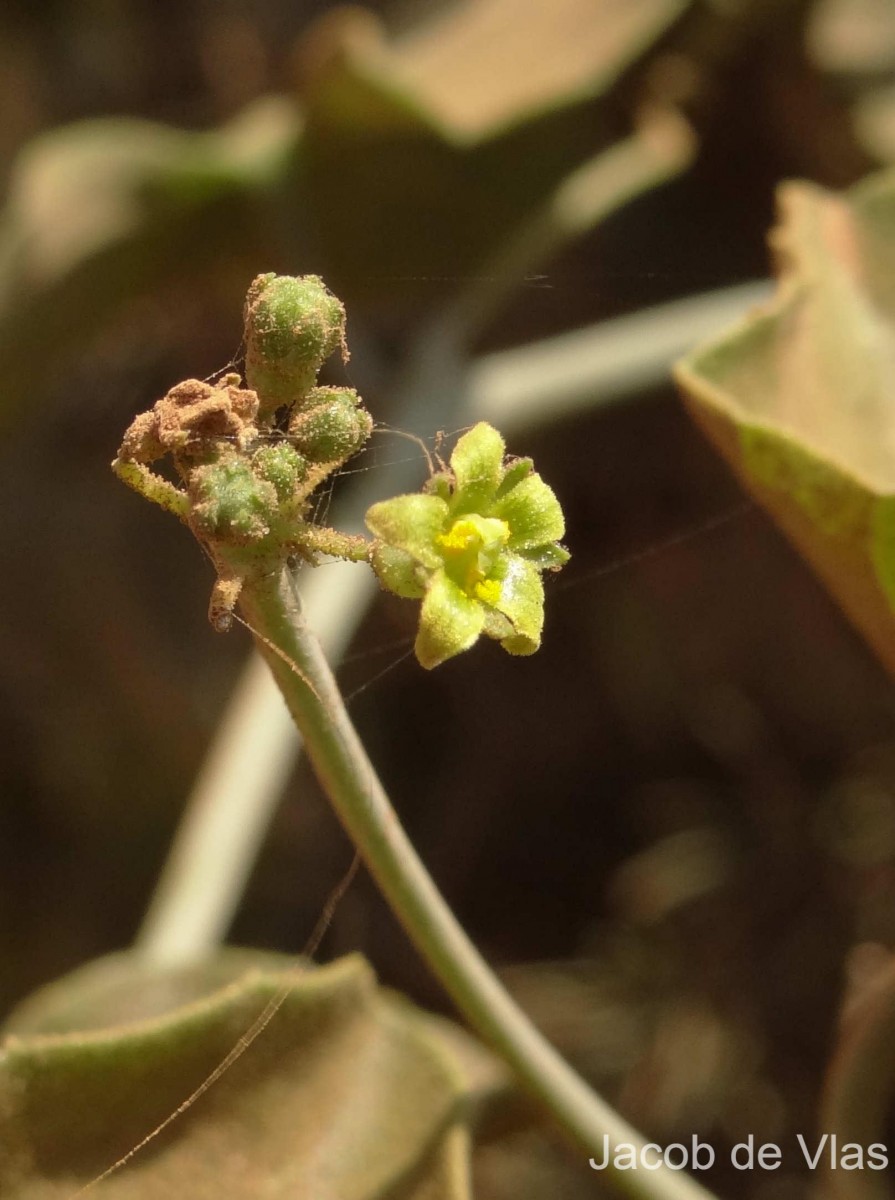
<point>248,458</point>
<point>472,546</point>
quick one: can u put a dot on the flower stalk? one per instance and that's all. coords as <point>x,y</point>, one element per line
<point>272,608</point>
<point>472,546</point>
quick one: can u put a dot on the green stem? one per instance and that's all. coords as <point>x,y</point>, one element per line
<point>272,608</point>
<point>351,546</point>
<point>860,1083</point>
<point>152,486</point>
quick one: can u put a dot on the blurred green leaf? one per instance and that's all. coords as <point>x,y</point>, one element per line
<point>347,1094</point>
<point>412,159</point>
<point>852,44</point>
<point>874,118</point>
<point>104,210</point>
<point>799,396</point>
<point>476,66</point>
<point>425,153</point>
<point>852,38</point>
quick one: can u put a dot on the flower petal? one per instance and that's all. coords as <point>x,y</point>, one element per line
<point>514,472</point>
<point>520,645</point>
<point>550,557</point>
<point>398,571</point>
<point>440,484</point>
<point>450,622</point>
<point>477,463</point>
<point>410,523</point>
<point>522,602</point>
<point>532,512</point>
<point>497,626</point>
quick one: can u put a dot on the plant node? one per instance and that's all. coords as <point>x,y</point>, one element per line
<point>472,546</point>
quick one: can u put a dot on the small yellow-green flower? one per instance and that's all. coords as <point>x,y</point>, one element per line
<point>472,547</point>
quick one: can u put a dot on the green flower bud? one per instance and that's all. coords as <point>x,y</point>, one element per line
<point>231,502</point>
<point>281,465</point>
<point>332,427</point>
<point>292,325</point>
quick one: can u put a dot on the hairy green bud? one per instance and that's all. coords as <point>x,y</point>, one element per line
<point>281,465</point>
<point>231,503</point>
<point>292,325</point>
<point>332,427</point>
<point>472,546</point>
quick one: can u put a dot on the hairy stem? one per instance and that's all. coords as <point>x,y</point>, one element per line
<point>152,486</point>
<point>272,608</point>
<point>353,547</point>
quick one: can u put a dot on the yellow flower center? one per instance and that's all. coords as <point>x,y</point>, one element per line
<point>470,549</point>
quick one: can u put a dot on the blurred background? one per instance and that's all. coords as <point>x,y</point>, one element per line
<point>674,829</point>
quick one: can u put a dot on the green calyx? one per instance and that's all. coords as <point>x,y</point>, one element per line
<point>281,465</point>
<point>473,547</point>
<point>231,503</point>
<point>330,426</point>
<point>245,480</point>
<point>292,325</point>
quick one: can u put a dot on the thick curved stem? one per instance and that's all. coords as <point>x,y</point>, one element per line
<point>272,608</point>
<point>860,1085</point>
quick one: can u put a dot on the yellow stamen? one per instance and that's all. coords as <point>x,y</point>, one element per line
<point>459,537</point>
<point>471,548</point>
<point>488,591</point>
